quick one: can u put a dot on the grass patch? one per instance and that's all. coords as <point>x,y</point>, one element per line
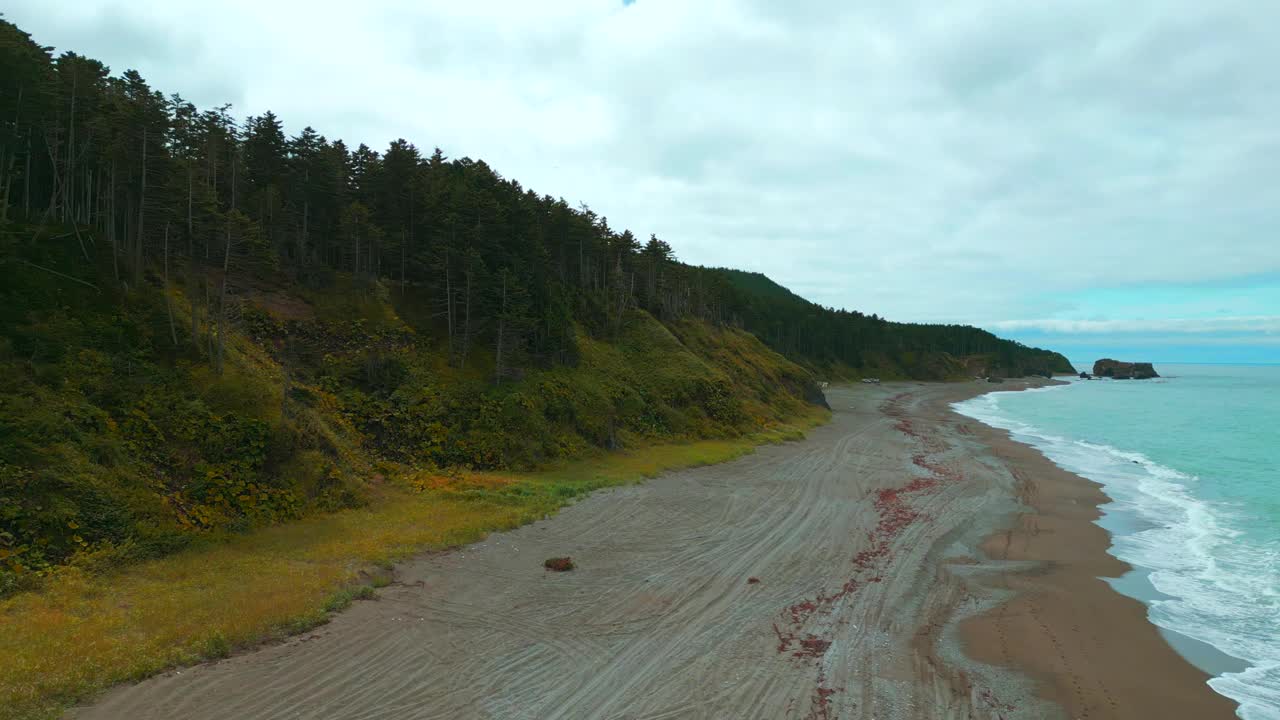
<point>342,599</point>
<point>82,632</point>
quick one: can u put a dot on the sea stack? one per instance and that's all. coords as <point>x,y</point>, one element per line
<point>1109,368</point>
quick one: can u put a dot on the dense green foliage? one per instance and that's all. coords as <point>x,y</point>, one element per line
<point>207,324</point>
<point>120,438</point>
<point>846,340</point>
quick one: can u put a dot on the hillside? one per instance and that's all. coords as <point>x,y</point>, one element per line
<point>848,343</point>
<point>207,325</point>
<point>124,436</point>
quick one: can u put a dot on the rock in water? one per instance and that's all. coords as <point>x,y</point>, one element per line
<point>1107,367</point>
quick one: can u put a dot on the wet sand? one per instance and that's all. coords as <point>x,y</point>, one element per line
<point>1091,649</point>
<point>850,575</point>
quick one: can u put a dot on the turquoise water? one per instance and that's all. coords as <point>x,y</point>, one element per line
<point>1191,463</point>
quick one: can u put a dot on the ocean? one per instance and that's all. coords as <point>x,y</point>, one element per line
<point>1191,462</point>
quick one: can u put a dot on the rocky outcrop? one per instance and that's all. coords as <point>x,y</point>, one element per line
<point>814,396</point>
<point>1109,368</point>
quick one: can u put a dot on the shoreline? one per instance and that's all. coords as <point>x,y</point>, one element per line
<point>1090,649</point>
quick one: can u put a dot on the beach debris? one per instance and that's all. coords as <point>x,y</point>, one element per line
<point>820,704</point>
<point>559,564</point>
<point>893,505</point>
<point>812,646</point>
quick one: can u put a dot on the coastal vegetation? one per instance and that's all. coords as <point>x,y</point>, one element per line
<point>209,325</point>
<point>239,366</point>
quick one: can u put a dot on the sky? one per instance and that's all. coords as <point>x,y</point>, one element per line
<point>1097,177</point>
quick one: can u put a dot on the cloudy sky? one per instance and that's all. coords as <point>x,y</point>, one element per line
<point>1098,177</point>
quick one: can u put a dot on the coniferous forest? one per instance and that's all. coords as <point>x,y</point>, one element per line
<point>209,323</point>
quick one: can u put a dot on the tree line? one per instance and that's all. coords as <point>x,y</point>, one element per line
<point>170,192</point>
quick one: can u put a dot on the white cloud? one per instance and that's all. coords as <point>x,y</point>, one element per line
<point>1258,324</point>
<point>925,161</point>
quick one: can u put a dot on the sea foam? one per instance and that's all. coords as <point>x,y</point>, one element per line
<point>1217,590</point>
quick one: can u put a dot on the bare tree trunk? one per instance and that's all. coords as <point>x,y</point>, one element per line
<point>213,183</point>
<point>306,212</point>
<point>403,249</point>
<point>168,296</point>
<point>26,182</point>
<point>7,179</point>
<point>191,236</point>
<point>111,227</point>
<point>195,312</point>
<point>71,150</point>
<point>97,199</point>
<point>79,238</point>
<point>8,173</point>
<point>90,198</point>
<point>466,319</point>
<point>625,295</point>
<point>222,303</point>
<point>6,168</point>
<point>235,171</point>
<point>448,302</point>
<point>208,313</point>
<point>142,204</point>
<point>51,147</point>
<point>302,249</point>
<point>502,326</point>
<point>191,257</point>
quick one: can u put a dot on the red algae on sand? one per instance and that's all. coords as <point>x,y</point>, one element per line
<point>895,514</point>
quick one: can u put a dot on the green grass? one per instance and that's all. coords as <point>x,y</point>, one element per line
<point>342,599</point>
<point>83,632</point>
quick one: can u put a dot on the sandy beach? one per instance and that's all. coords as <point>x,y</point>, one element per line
<point>1091,649</point>
<point>901,562</point>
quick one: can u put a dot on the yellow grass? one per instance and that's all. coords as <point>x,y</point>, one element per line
<point>81,633</point>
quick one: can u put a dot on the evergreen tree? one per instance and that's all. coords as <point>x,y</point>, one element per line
<point>170,186</point>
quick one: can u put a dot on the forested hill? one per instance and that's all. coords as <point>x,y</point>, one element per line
<point>508,267</point>
<point>209,323</point>
<point>845,342</point>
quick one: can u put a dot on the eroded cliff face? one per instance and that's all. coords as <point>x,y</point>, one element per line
<point>1118,370</point>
